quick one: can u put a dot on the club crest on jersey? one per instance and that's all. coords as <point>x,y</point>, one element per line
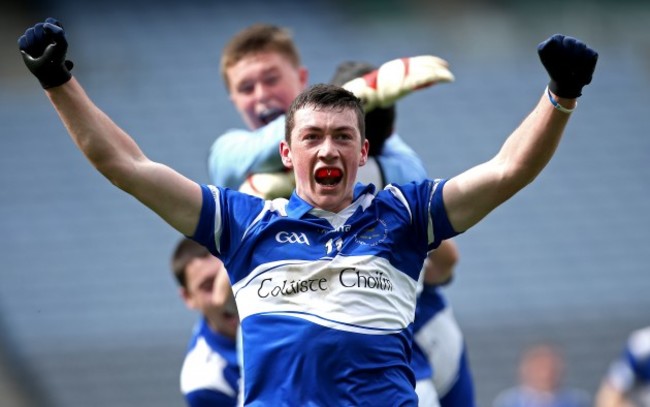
<point>373,235</point>
<point>291,237</point>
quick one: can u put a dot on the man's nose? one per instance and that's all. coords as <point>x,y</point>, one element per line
<point>261,91</point>
<point>327,149</point>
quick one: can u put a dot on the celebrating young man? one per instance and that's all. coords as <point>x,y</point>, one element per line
<point>325,282</point>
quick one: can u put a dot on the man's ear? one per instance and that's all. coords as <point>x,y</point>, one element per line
<point>364,153</point>
<point>285,153</point>
<point>303,74</point>
<point>187,298</point>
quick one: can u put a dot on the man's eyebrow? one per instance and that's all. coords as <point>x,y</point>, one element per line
<point>311,128</point>
<point>271,69</point>
<point>320,128</point>
<point>344,129</point>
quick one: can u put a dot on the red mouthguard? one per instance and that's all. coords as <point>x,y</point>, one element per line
<point>328,172</point>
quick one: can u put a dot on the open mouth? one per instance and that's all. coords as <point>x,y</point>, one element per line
<point>269,115</point>
<point>329,176</point>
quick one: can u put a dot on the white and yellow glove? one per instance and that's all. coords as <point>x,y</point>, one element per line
<point>269,185</point>
<point>397,78</point>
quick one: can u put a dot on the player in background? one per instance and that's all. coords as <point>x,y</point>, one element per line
<point>627,382</point>
<point>210,373</point>
<point>541,374</point>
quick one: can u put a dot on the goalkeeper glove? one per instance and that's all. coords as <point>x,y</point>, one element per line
<point>397,78</point>
<point>269,185</point>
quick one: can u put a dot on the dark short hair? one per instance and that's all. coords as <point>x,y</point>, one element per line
<point>325,96</point>
<point>186,251</point>
<point>380,121</point>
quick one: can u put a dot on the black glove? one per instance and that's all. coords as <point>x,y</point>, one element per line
<point>569,62</point>
<point>44,48</point>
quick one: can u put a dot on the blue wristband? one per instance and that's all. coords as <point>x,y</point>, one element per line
<point>556,105</point>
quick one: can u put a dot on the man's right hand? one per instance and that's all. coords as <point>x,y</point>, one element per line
<point>44,49</point>
<point>397,78</point>
<point>570,64</point>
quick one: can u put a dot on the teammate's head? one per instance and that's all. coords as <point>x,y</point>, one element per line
<point>542,367</point>
<point>380,121</point>
<point>262,71</point>
<point>325,145</point>
<point>195,270</point>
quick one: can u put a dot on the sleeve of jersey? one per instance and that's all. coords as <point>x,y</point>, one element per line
<point>225,215</point>
<point>426,209</point>
<point>209,398</point>
<point>399,163</point>
<point>438,226</point>
<point>238,153</point>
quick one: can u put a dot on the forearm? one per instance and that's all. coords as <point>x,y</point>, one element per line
<point>103,143</point>
<point>440,263</point>
<point>173,197</point>
<point>237,154</point>
<point>473,194</point>
<point>530,147</point>
<point>115,154</point>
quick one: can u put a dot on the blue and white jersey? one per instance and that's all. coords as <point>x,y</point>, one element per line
<point>239,153</point>
<point>630,374</point>
<point>327,300</point>
<point>437,335</point>
<point>210,372</point>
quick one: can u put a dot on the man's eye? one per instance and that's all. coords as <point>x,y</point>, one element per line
<point>310,136</point>
<point>245,89</point>
<point>272,80</point>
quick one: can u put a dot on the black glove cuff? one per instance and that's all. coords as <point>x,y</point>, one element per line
<point>56,77</point>
<point>568,91</point>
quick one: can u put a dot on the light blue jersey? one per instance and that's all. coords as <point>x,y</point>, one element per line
<point>239,153</point>
<point>210,372</point>
<point>326,300</point>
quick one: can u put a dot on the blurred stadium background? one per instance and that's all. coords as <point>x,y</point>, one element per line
<point>89,313</point>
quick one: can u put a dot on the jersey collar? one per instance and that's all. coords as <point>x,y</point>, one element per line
<point>298,207</point>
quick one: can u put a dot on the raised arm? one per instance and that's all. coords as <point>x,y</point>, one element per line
<point>173,197</point>
<point>473,194</point>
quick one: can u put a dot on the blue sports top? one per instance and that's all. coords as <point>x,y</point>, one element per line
<point>210,372</point>
<point>327,300</point>
<point>630,373</point>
